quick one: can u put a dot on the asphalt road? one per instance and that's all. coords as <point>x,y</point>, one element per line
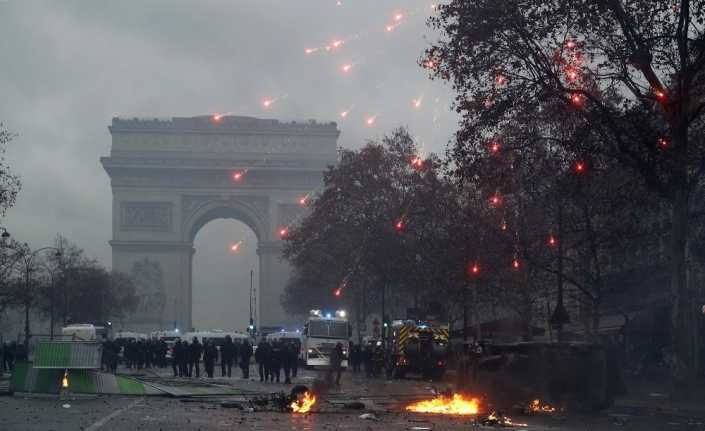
<point>384,399</point>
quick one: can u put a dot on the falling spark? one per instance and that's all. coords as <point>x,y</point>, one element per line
<point>494,147</point>
<point>417,102</point>
<point>579,167</point>
<point>552,240</point>
<point>570,44</point>
<point>399,225</point>
<point>344,114</point>
<point>310,51</point>
<point>283,232</point>
<point>339,3</point>
<point>267,103</point>
<point>371,121</point>
<point>338,291</point>
<point>576,98</point>
<point>337,43</point>
<point>500,80</point>
<point>398,17</point>
<point>237,175</point>
<point>347,67</point>
<point>663,142</point>
<point>236,247</point>
<point>475,269</point>
<point>303,201</point>
<point>515,263</point>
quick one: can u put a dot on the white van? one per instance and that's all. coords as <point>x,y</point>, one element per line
<point>85,332</point>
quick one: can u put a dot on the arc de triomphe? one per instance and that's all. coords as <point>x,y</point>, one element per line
<point>170,177</point>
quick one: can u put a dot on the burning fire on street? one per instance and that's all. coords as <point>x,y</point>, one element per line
<point>498,419</point>
<point>444,405</point>
<point>536,406</point>
<point>303,403</point>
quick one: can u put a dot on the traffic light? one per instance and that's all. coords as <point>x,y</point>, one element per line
<point>251,328</point>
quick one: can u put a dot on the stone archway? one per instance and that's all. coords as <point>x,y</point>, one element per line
<point>171,177</point>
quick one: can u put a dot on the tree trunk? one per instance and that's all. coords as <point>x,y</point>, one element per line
<point>683,371</point>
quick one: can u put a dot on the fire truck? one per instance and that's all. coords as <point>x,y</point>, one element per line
<point>417,347</point>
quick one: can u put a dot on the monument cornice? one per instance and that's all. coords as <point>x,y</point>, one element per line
<point>214,164</point>
<point>226,125</point>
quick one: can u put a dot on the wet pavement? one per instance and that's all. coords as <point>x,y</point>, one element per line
<point>384,402</point>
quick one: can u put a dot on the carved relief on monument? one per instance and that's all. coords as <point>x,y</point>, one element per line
<point>148,278</point>
<point>141,216</point>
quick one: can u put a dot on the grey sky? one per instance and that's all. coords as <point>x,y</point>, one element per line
<point>68,67</point>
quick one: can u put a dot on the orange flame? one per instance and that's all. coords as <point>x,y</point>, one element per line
<point>537,407</point>
<point>65,380</point>
<point>304,404</point>
<point>457,405</point>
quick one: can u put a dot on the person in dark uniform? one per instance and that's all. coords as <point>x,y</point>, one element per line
<point>262,359</point>
<point>336,364</point>
<point>10,350</point>
<point>3,346</point>
<point>245,355</point>
<point>195,351</point>
<point>275,361</point>
<point>175,359</point>
<point>367,354</point>
<point>183,358</point>
<point>355,356</point>
<point>286,361</point>
<point>163,348</point>
<point>227,356</point>
<point>210,352</point>
<point>112,359</point>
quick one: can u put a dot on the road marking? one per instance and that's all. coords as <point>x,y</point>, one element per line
<point>112,415</point>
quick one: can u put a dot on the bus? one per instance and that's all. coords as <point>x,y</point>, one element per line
<point>321,333</point>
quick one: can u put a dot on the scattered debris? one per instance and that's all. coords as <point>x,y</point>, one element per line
<point>369,417</point>
<point>354,405</point>
<point>232,405</point>
<point>66,406</point>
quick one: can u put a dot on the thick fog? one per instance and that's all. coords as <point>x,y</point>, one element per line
<point>68,67</point>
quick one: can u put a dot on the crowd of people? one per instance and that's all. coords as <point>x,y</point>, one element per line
<point>272,358</point>
<point>187,357</point>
